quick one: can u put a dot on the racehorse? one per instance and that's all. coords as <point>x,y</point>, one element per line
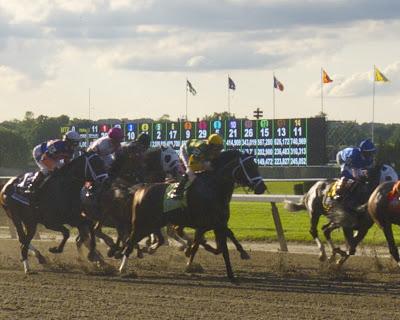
<point>155,165</point>
<point>348,212</point>
<point>383,207</point>
<point>111,206</point>
<point>58,204</point>
<point>207,203</point>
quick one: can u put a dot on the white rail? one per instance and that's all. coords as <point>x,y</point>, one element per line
<point>277,198</point>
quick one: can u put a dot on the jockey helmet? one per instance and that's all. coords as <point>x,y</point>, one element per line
<point>116,133</point>
<point>169,160</point>
<point>72,137</point>
<point>367,146</point>
<point>144,139</point>
<point>215,139</point>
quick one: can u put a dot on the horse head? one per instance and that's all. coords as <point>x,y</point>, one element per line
<point>86,167</point>
<point>243,169</point>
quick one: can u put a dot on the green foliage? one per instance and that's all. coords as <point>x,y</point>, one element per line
<point>14,150</point>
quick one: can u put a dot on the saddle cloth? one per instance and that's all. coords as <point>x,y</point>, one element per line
<point>25,181</point>
<point>330,195</point>
<point>172,203</point>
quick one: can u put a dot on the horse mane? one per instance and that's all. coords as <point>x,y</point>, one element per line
<point>225,157</point>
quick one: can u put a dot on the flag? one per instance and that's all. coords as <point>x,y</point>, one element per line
<point>278,84</point>
<point>190,87</point>
<point>379,76</point>
<point>325,77</point>
<point>231,84</point>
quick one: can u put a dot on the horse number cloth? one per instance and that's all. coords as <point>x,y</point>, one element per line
<point>170,201</point>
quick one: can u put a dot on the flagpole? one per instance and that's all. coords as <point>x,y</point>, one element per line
<point>373,104</point>
<point>229,98</point>
<point>322,95</point>
<point>186,85</point>
<point>273,97</point>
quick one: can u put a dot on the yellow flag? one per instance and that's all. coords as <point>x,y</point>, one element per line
<point>379,76</point>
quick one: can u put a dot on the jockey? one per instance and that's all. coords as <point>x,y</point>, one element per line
<point>49,156</point>
<point>196,155</point>
<point>353,161</point>
<point>72,138</point>
<point>106,146</point>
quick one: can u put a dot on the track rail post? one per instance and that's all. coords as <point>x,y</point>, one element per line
<point>278,227</point>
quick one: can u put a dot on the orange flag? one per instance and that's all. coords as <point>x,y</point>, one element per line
<point>325,77</point>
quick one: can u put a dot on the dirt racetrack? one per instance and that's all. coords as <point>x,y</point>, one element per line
<point>271,286</point>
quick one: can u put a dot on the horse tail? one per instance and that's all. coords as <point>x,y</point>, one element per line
<point>5,191</point>
<point>294,207</point>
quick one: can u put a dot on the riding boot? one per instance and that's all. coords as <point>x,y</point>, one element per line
<point>180,189</point>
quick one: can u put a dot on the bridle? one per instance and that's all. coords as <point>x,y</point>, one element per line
<point>88,167</point>
<point>253,181</point>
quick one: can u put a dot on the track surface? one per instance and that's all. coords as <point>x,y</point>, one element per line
<point>271,286</point>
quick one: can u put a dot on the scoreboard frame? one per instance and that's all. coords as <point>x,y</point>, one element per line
<point>279,142</point>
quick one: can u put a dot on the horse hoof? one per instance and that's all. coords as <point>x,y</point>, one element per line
<point>194,268</point>
<point>139,254</point>
<point>118,255</point>
<point>322,257</point>
<point>42,260</point>
<point>55,250</point>
<point>110,253</point>
<point>182,248</point>
<point>244,255</point>
<point>234,280</point>
<point>188,251</point>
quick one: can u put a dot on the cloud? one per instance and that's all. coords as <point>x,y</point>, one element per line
<point>359,84</point>
<point>188,35</point>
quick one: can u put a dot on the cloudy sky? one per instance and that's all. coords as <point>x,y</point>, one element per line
<point>135,56</point>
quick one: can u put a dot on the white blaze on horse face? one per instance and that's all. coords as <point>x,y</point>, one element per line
<point>26,266</point>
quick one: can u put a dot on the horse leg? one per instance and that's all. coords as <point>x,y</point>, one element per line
<point>243,253</point>
<point>65,233</point>
<point>130,244</point>
<point>221,235</point>
<point>112,247</point>
<point>172,233</point>
<point>158,243</point>
<point>198,237</point>
<point>328,228</point>
<point>362,232</point>
<point>41,259</point>
<point>88,238</point>
<point>23,242</point>
<point>314,233</point>
<point>394,251</point>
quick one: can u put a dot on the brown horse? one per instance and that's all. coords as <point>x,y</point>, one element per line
<point>207,203</point>
<point>384,215</point>
<point>59,204</point>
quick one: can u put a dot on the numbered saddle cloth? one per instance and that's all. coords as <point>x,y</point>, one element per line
<point>22,185</point>
<point>330,195</point>
<point>171,202</point>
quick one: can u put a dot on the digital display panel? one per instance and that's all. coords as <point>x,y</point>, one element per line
<point>279,142</point>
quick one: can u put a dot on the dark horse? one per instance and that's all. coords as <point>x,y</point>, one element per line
<point>384,214</point>
<point>59,204</point>
<point>207,207</point>
<point>348,212</point>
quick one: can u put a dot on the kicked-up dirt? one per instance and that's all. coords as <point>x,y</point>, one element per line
<point>270,286</point>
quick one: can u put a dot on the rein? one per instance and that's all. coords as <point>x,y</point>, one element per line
<point>88,167</point>
<point>254,181</point>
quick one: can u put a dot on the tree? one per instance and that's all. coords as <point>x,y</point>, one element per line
<point>14,151</point>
